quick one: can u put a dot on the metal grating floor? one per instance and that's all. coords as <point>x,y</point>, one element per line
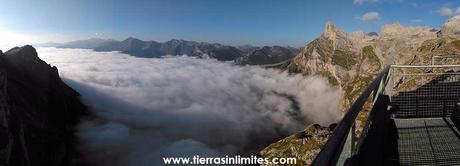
<point>428,141</point>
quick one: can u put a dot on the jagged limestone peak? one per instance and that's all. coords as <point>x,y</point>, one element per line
<point>339,38</point>
<point>352,68</point>
<point>451,27</point>
<point>332,32</point>
<point>396,30</point>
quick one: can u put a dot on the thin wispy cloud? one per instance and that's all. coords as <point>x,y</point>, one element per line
<point>361,2</point>
<point>457,11</point>
<point>370,16</point>
<point>445,11</point>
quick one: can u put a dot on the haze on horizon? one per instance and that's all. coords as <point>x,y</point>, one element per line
<point>235,22</point>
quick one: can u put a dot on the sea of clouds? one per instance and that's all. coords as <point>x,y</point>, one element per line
<point>144,109</point>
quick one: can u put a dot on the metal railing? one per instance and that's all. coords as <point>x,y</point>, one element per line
<point>433,58</point>
<point>345,131</point>
<point>417,91</point>
<point>424,91</point>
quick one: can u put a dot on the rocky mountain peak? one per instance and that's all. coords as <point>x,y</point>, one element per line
<point>372,34</point>
<point>26,59</point>
<point>350,62</point>
<point>451,27</point>
<point>26,52</point>
<point>132,39</point>
<point>332,32</point>
<point>339,38</point>
<point>396,30</point>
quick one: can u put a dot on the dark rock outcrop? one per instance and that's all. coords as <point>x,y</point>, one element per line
<point>372,34</point>
<point>38,112</point>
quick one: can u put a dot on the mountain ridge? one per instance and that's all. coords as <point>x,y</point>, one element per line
<point>267,55</point>
<point>350,62</point>
<point>153,49</point>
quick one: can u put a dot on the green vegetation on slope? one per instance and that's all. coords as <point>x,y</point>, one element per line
<point>368,53</point>
<point>344,59</point>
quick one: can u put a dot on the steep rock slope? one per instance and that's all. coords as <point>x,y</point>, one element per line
<point>38,111</point>
<point>451,28</point>
<point>350,61</point>
<point>339,57</point>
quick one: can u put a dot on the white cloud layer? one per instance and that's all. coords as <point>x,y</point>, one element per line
<point>370,16</point>
<point>457,11</point>
<point>360,2</point>
<point>175,106</point>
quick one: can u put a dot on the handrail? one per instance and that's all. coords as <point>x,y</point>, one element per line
<point>434,92</point>
<point>433,58</point>
<point>424,66</point>
<point>331,151</point>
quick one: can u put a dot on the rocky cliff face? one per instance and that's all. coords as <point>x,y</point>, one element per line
<point>350,61</point>
<point>38,111</point>
<point>341,58</point>
<point>451,28</point>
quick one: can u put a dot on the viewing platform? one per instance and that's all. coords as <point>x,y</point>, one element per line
<point>412,118</point>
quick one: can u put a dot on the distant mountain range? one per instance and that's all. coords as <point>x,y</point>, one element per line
<point>245,54</point>
<point>267,55</point>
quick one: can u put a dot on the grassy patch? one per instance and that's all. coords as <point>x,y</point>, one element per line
<point>355,86</point>
<point>344,59</point>
<point>368,52</point>
<point>456,44</point>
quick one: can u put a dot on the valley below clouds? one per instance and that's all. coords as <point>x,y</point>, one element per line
<point>143,109</point>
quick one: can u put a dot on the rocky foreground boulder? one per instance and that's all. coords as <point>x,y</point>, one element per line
<point>38,111</point>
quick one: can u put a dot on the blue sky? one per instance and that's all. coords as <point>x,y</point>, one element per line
<point>234,22</point>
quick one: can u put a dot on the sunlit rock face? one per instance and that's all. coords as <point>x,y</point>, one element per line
<point>38,112</point>
<point>451,28</point>
<point>350,62</point>
<point>396,30</point>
